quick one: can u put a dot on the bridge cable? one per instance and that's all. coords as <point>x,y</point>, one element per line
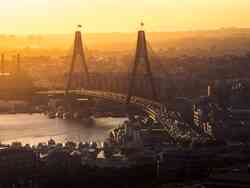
<point>162,67</point>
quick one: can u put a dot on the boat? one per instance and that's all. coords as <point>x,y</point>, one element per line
<point>52,115</point>
<point>67,115</point>
<point>59,115</point>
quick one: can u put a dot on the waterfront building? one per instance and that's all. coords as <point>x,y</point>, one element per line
<point>17,161</point>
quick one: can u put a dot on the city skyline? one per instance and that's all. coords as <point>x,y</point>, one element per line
<point>96,16</point>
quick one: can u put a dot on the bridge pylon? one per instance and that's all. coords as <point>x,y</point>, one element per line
<point>141,62</point>
<point>18,66</point>
<point>77,51</point>
<point>2,64</point>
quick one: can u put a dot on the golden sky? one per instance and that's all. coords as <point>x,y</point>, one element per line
<point>61,16</point>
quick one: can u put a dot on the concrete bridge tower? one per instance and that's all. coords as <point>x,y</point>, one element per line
<point>141,62</point>
<point>77,51</point>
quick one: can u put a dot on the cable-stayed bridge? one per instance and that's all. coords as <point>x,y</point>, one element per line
<point>139,89</point>
<point>141,66</point>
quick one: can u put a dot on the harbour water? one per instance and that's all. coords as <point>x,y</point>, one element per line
<point>32,129</point>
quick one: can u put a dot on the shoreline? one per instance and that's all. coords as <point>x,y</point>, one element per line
<point>34,129</point>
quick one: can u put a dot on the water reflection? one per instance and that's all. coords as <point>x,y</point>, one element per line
<point>32,129</point>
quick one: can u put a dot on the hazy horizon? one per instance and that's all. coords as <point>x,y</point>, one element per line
<point>105,16</point>
<point>132,32</point>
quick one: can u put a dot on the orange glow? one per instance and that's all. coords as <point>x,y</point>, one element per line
<point>61,16</point>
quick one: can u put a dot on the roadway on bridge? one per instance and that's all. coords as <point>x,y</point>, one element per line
<point>152,108</point>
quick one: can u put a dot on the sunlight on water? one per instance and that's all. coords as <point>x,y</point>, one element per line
<point>32,129</point>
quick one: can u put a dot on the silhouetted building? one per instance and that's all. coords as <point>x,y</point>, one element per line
<point>202,112</point>
<point>17,162</point>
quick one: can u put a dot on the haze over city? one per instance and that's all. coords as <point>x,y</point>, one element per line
<point>132,93</point>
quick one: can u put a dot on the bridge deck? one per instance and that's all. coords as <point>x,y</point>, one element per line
<point>151,107</point>
<point>155,110</point>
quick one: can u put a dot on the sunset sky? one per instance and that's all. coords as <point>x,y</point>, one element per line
<point>61,16</point>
